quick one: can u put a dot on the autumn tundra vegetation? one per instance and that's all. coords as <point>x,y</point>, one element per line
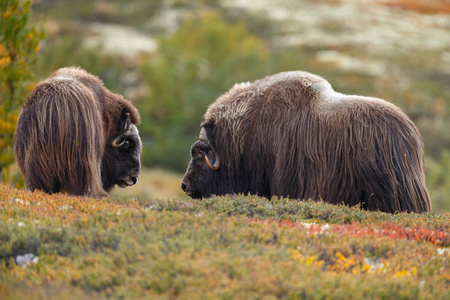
<point>222,247</point>
<point>137,244</point>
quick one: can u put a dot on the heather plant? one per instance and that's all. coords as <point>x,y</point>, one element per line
<point>226,247</point>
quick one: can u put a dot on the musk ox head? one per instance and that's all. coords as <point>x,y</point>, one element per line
<point>75,136</point>
<point>292,135</point>
<point>121,163</point>
<point>204,168</point>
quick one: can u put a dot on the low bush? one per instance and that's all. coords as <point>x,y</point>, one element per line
<point>223,247</point>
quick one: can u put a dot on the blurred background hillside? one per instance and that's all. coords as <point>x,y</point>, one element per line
<point>174,58</point>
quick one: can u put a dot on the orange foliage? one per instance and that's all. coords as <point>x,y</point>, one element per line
<point>59,206</point>
<point>391,230</point>
<point>421,6</point>
<point>395,231</point>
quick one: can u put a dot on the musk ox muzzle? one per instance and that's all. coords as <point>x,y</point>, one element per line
<point>291,135</point>
<point>75,136</point>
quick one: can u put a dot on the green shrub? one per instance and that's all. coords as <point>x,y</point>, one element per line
<point>19,42</point>
<point>438,181</point>
<point>68,50</point>
<point>202,60</point>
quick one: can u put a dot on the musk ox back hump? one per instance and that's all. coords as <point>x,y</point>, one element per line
<point>297,137</point>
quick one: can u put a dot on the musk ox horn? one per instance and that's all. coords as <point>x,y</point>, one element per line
<point>216,165</point>
<point>114,143</point>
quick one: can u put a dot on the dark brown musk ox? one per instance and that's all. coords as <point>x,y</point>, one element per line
<point>291,135</point>
<point>75,136</point>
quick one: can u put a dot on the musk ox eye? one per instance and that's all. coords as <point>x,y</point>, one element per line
<point>122,144</point>
<point>126,144</point>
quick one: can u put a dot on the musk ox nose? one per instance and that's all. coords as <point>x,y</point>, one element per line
<point>190,192</point>
<point>134,180</point>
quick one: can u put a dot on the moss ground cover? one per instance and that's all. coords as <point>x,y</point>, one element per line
<point>233,247</point>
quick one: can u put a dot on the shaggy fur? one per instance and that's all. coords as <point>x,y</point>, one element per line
<point>292,135</point>
<point>64,133</point>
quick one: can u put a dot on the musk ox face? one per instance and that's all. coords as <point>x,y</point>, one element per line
<point>121,163</point>
<point>203,171</point>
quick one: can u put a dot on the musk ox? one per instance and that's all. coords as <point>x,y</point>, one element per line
<point>75,136</point>
<point>292,135</point>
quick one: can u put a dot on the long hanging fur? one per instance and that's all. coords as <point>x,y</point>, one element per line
<point>62,131</point>
<point>291,134</point>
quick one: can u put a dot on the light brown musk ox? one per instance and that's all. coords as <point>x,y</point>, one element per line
<point>292,135</point>
<point>75,136</point>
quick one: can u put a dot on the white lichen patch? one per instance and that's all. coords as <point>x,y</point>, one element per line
<point>26,260</point>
